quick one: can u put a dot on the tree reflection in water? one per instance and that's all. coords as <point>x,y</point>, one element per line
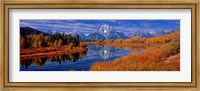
<point>40,61</point>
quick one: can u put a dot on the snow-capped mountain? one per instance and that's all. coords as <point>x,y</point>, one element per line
<point>141,34</point>
<point>66,32</point>
<point>168,31</point>
<point>104,29</point>
<point>117,35</point>
<point>95,36</point>
<point>50,31</point>
<point>107,32</point>
<point>77,32</point>
<point>160,33</point>
<point>132,34</point>
<point>145,34</point>
<point>153,33</point>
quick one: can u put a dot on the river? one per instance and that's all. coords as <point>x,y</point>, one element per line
<point>76,61</point>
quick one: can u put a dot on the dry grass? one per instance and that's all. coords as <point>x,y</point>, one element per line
<point>151,59</point>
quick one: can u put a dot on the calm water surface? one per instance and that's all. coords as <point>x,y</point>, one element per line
<point>75,61</point>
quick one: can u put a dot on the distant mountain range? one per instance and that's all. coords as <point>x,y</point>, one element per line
<point>105,32</point>
<point>95,36</point>
<point>76,32</point>
<point>141,34</point>
<point>50,31</point>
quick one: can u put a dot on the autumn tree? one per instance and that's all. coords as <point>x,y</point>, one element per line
<point>42,40</point>
<point>55,43</point>
<point>39,43</point>
<point>22,42</point>
<point>35,44</point>
<point>60,42</point>
<point>71,45</point>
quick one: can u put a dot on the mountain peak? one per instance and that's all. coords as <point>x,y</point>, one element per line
<point>105,25</point>
<point>140,33</point>
<point>104,29</point>
<point>76,32</point>
<point>50,31</point>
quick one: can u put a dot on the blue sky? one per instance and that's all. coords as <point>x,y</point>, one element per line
<point>90,26</point>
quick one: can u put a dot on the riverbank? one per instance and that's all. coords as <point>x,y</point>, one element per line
<point>49,51</point>
<point>152,59</point>
<point>131,46</point>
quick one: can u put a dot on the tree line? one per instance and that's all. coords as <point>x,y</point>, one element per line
<point>139,40</point>
<point>42,40</point>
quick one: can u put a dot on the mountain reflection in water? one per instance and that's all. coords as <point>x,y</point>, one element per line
<point>104,51</point>
<point>75,61</point>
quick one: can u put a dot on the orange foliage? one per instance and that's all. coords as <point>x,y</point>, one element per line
<point>174,36</point>
<point>150,59</point>
<point>32,52</point>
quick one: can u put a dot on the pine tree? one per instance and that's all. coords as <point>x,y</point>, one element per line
<point>69,39</point>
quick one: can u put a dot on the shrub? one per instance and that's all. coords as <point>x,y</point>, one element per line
<point>82,45</point>
<point>171,49</point>
<point>150,59</point>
